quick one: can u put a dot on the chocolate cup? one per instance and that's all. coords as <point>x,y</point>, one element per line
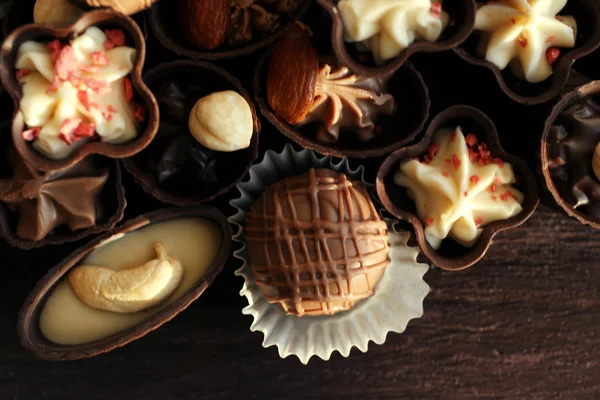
<point>579,94</point>
<point>164,22</point>
<point>451,256</point>
<point>587,15</point>
<point>211,78</point>
<point>101,18</point>
<point>412,103</point>
<point>28,323</point>
<point>462,13</point>
<point>112,197</point>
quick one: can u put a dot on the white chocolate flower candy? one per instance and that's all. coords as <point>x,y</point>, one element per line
<point>72,92</point>
<point>458,188</point>
<point>526,34</point>
<point>387,27</point>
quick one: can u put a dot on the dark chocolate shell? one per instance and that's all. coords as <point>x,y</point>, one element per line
<point>462,20</point>
<point>587,15</point>
<point>28,323</point>
<point>101,18</point>
<point>571,133</point>
<point>165,24</point>
<point>452,256</point>
<point>412,111</point>
<point>207,174</point>
<point>112,199</point>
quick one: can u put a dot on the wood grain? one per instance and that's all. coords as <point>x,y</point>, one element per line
<point>522,324</point>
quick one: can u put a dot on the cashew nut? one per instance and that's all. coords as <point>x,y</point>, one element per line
<point>129,290</point>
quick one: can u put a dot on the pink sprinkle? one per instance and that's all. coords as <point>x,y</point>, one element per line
<point>456,161</point>
<point>111,109</point>
<point>478,221</point>
<point>31,134</point>
<point>471,140</point>
<point>92,69</point>
<point>99,58</point>
<point>22,72</point>
<point>428,221</point>
<point>116,36</point>
<point>493,188</point>
<point>54,47</point>
<point>67,128</point>
<point>445,173</point>
<point>436,9</point>
<point>128,90</point>
<point>84,99</point>
<point>98,87</point>
<point>474,179</point>
<point>494,198</point>
<point>85,130</point>
<point>108,45</point>
<point>66,63</point>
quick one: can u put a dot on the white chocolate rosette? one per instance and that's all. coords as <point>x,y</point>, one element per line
<point>398,296</point>
<point>387,27</point>
<point>78,91</point>
<point>458,188</point>
<point>525,35</point>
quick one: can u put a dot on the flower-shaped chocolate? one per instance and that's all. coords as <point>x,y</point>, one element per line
<point>395,29</point>
<point>537,45</point>
<point>71,86</point>
<point>480,180</point>
<point>568,153</point>
<point>526,32</point>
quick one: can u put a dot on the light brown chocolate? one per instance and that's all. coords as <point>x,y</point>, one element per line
<point>316,243</point>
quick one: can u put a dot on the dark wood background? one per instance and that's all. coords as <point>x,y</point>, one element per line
<point>522,324</point>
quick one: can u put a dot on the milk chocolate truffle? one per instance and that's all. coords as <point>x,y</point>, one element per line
<point>316,243</point>
<point>47,201</point>
<point>302,90</point>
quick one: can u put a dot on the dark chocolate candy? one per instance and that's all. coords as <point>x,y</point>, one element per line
<point>571,143</point>
<point>316,243</point>
<point>46,201</point>
<point>252,18</point>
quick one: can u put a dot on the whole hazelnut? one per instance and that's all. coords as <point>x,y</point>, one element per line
<point>222,121</point>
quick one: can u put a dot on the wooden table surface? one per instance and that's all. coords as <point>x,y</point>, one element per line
<point>524,323</point>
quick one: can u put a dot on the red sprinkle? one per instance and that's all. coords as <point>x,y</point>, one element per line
<point>504,196</point>
<point>550,39</point>
<point>53,86</point>
<point>432,150</point>
<point>496,179</point>
<point>436,9</point>
<point>98,87</point>
<point>552,55</point>
<point>84,130</point>
<point>107,116</point>
<point>111,109</point>
<point>473,155</point>
<point>445,173</point>
<point>54,47</point>
<point>99,58</point>
<point>140,113</point>
<point>494,198</point>
<point>67,129</point>
<point>66,63</point>
<point>31,134</point>
<point>471,140</point>
<point>426,159</point>
<point>493,188</point>
<point>22,72</point>
<point>456,161</point>
<point>478,221</point>
<point>84,99</point>
<point>522,41</point>
<point>428,221</point>
<point>108,45</point>
<point>128,89</point>
<point>558,17</point>
<point>474,179</point>
<point>92,69</point>
<point>116,36</point>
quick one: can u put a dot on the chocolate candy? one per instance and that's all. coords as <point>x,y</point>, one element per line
<point>316,243</point>
<point>47,201</point>
<point>571,143</point>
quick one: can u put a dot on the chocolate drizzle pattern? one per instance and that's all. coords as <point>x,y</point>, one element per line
<point>316,243</point>
<point>571,144</point>
<point>348,102</point>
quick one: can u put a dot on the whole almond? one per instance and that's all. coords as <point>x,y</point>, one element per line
<point>292,74</point>
<point>205,23</point>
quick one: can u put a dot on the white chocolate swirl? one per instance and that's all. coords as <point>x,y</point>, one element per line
<point>456,197</point>
<point>521,32</point>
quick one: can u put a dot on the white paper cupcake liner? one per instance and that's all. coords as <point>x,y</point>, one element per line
<point>398,297</point>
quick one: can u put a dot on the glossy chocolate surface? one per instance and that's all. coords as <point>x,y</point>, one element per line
<point>316,243</point>
<point>175,168</point>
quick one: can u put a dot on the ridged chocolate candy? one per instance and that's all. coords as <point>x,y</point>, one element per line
<point>316,243</point>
